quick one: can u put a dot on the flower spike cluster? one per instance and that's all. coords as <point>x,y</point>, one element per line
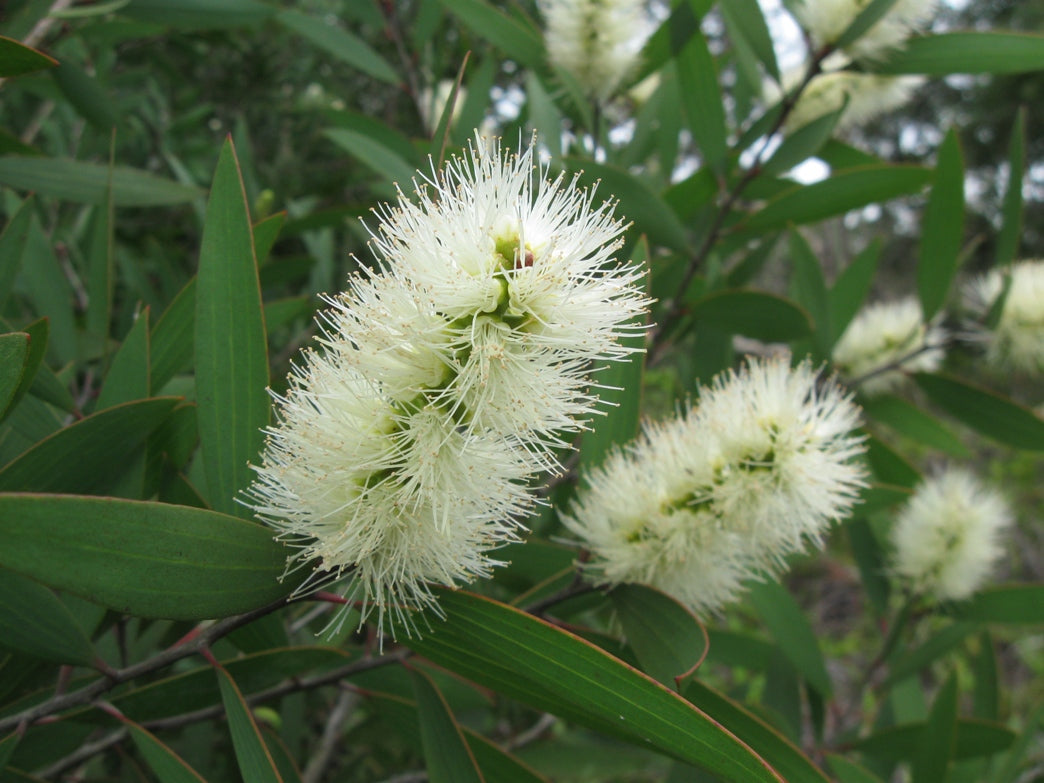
<point>1016,340</point>
<point>698,505</point>
<point>826,20</point>
<point>445,380</point>
<point>947,537</point>
<point>885,342</point>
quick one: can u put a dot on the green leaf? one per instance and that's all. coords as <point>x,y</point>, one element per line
<point>621,392</point>
<point>967,52</point>
<point>932,760</point>
<point>550,669</point>
<point>984,666</point>
<point>87,183</point>
<point>85,95</point>
<point>516,40</point>
<point>667,638</point>
<point>266,232</point>
<point>101,261</point>
<point>128,376</point>
<point>810,288</point>
<point>49,290</point>
<point>168,766</point>
<point>913,422</point>
<point>637,202</point>
<point>13,242</point>
<point>870,559</point>
<point>34,622</point>
<point>985,411</point>
<point>43,383</point>
<point>802,144</point>
<point>1007,604</point>
<point>143,558</point>
<point>792,631</point>
<point>702,101</point>
<point>7,746</point>
<point>746,17</point>
<point>936,647</point>
<point>373,153</point>
<point>942,229</point>
<point>231,348</point>
<point>974,738</point>
<point>199,14</point>
<point>497,764</point>
<point>793,765</point>
<point>888,466</point>
<point>1011,229</point>
<point>446,754</point>
<point>756,314</point>
<point>255,762</point>
<point>172,337</point>
<point>88,456</point>
<point>850,772</point>
<point>341,43</point>
<point>844,191</point>
<point>672,36</point>
<point>16,58</point>
<point>14,357</point>
<point>851,288</point>
<point>871,13</point>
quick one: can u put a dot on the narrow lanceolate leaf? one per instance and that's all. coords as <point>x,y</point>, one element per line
<point>171,338</point>
<point>785,758</point>
<point>810,288</point>
<point>16,58</point>
<point>266,232</point>
<point>373,153</point>
<point>755,314</point>
<point>515,39</point>
<point>550,669</point>
<point>447,756</point>
<point>942,229</point>
<point>128,376</point>
<point>199,14</point>
<point>87,183</point>
<point>87,457</point>
<point>41,379</point>
<point>14,356</point>
<point>231,348</point>
<point>702,101</point>
<point>35,623</point>
<point>914,422</point>
<point>1014,604</point>
<point>747,18</point>
<point>343,45</point>
<point>142,558</point>
<point>792,631</point>
<point>991,414</point>
<point>846,190</point>
<point>255,762</point>
<point>672,35</point>
<point>966,52</point>
<point>168,765</point>
<point>1011,228</point>
<point>667,638</point>
<point>932,760</point>
<point>974,738</point>
<point>850,772</point>
<point>851,288</point>
<point>13,240</point>
<point>802,144</point>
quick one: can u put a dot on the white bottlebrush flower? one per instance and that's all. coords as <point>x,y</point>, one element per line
<point>826,20</point>
<point>597,41</point>
<point>887,340</point>
<point>405,446</point>
<point>1016,342</point>
<point>432,103</point>
<point>947,537</point>
<point>698,505</point>
<point>868,96</point>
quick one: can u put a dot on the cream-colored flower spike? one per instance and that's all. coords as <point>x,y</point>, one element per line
<point>1016,340</point>
<point>885,342</point>
<point>826,20</point>
<point>724,493</point>
<point>597,41</point>
<point>868,96</point>
<point>444,380</point>
<point>947,538</point>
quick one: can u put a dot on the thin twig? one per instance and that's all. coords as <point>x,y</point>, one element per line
<point>346,703</point>
<point>896,364</point>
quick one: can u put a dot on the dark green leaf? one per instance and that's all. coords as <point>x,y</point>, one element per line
<point>231,347</point>
<point>850,772</point>
<point>851,288</point>
<point>341,43</point>
<point>792,631</point>
<point>942,229</point>
<point>966,52</point>
<point>497,764</point>
<point>672,35</point>
<point>756,314</point>
<point>79,181</point>
<point>985,411</point>
<point>14,358</point>
<point>87,457</point>
<point>44,384</point>
<point>932,760</point>
<point>889,466</point>
<point>265,234</point>
<point>172,337</point>
<point>16,58</point>
<point>870,558</point>
<point>1007,604</point>
<point>255,762</point>
<point>199,14</point>
<point>446,754</point>
<point>984,667</point>
<point>372,152</point>
<point>810,289</point>
<point>34,622</point>
<point>870,14</point>
<point>147,559</point>
<point>913,422</point>
<point>101,261</point>
<point>702,101</point>
<point>85,95</point>
<point>549,669</point>
<point>667,638</point>
<point>7,746</point>
<point>936,647</point>
<point>168,766</point>
<point>802,144</point>
<point>1011,229</point>
<point>515,39</point>
<point>13,241</point>
<point>844,191</point>
<point>128,376</point>
<point>747,18</point>
<point>974,738</point>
